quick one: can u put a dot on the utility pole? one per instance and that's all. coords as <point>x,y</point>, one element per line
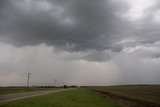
<point>28,76</point>
<point>54,82</point>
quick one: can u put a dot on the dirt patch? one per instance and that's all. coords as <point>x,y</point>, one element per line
<point>131,102</point>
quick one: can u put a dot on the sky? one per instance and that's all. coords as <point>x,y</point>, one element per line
<point>79,42</point>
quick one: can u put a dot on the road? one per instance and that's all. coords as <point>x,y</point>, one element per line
<point>11,97</point>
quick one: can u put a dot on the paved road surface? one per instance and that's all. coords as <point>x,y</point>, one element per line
<point>10,97</point>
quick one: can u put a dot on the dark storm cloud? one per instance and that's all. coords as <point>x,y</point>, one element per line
<point>76,25</point>
<point>80,24</point>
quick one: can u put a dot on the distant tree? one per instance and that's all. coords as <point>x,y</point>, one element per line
<point>65,86</point>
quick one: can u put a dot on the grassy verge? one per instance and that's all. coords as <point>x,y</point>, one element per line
<point>68,98</point>
<point>10,90</point>
<point>150,93</point>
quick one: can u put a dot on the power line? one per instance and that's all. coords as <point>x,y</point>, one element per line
<point>28,76</point>
<point>55,82</point>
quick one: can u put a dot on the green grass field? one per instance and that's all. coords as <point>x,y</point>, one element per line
<point>149,93</point>
<point>9,90</point>
<point>69,98</point>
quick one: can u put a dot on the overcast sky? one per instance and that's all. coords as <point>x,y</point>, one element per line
<point>80,42</point>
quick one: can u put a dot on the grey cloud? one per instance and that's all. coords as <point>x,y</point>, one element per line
<point>84,24</point>
<point>136,67</point>
<point>147,29</point>
<point>69,40</point>
<point>100,56</point>
<point>75,25</point>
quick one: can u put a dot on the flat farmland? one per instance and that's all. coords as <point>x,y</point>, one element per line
<point>79,97</point>
<point>10,90</point>
<point>146,93</point>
